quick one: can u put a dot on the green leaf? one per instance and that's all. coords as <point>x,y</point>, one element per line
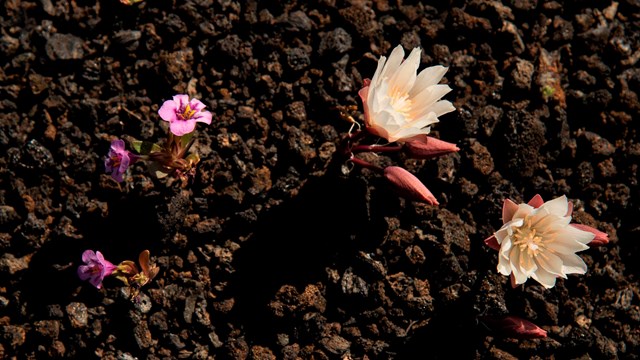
<point>184,139</point>
<point>145,147</point>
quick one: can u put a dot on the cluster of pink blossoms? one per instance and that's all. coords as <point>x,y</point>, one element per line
<point>171,157</point>
<point>400,105</point>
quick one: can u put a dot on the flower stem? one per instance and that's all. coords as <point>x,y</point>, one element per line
<point>375,148</point>
<point>366,164</point>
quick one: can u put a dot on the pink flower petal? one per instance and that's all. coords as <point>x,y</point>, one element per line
<point>181,101</point>
<point>196,105</point>
<point>509,208</point>
<point>88,257</point>
<point>84,272</point>
<point>536,201</point>
<point>168,111</point>
<point>492,242</point>
<point>203,116</point>
<point>182,127</point>
<point>364,95</point>
<point>117,146</point>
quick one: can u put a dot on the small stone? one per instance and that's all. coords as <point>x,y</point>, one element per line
<point>337,41</point>
<point>78,315</point>
<point>64,47</point>
<point>15,335</point>
<point>48,328</point>
<point>8,215</point>
<point>335,344</point>
<point>522,74</point>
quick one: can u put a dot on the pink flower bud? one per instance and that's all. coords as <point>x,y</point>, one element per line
<point>514,327</point>
<point>408,186</point>
<point>427,147</point>
<point>601,238</point>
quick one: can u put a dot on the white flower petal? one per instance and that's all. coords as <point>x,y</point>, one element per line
<point>550,262</point>
<point>442,107</point>
<point>520,276</point>
<point>504,267</point>
<point>522,211</point>
<point>577,235</point>
<point>565,247</point>
<point>573,264</point>
<point>404,79</point>
<point>558,206</point>
<point>392,64</point>
<point>545,278</point>
<point>375,81</point>
<point>429,96</point>
<point>427,77</point>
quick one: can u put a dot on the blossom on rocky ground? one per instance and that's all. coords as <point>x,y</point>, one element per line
<point>398,102</point>
<point>96,268</point>
<point>118,160</point>
<point>537,241</point>
<point>182,114</point>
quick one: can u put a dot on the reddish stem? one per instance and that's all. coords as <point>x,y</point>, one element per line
<point>366,165</point>
<point>375,148</point>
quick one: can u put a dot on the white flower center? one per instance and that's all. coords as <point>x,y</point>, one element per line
<point>528,239</point>
<point>400,102</point>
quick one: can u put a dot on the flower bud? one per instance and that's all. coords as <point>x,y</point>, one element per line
<point>427,147</point>
<point>408,186</point>
<point>601,238</point>
<point>514,327</point>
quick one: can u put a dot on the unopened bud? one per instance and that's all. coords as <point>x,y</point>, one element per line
<point>514,327</point>
<point>601,238</point>
<point>427,147</point>
<point>408,186</point>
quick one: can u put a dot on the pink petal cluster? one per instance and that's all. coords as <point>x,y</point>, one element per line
<point>96,268</point>
<point>118,160</point>
<point>537,241</point>
<point>182,114</point>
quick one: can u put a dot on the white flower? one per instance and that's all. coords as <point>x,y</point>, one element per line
<point>536,241</point>
<point>398,104</point>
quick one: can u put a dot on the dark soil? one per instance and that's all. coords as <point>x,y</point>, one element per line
<point>273,252</point>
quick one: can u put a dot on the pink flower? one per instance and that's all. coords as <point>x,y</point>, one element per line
<point>182,114</point>
<point>118,160</point>
<point>514,327</point>
<point>96,268</point>
<point>408,186</point>
<point>537,241</point>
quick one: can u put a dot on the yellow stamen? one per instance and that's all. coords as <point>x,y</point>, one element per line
<point>527,239</point>
<point>188,113</point>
